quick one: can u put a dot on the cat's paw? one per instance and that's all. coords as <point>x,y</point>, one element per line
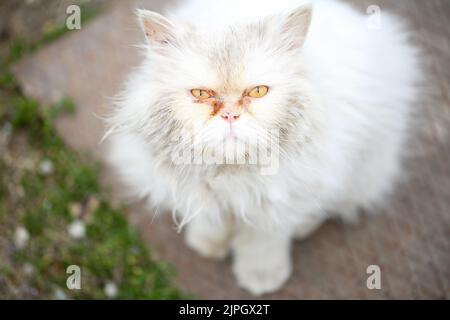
<point>207,246</point>
<point>308,227</point>
<point>260,277</point>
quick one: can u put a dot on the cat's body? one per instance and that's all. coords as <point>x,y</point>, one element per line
<point>341,98</point>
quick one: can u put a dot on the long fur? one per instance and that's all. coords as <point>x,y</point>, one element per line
<point>341,100</point>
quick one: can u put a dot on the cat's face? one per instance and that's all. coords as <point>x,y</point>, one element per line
<point>230,85</point>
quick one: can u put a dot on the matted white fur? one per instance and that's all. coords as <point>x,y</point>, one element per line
<point>340,95</point>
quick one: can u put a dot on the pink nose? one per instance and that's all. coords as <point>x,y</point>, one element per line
<point>230,116</point>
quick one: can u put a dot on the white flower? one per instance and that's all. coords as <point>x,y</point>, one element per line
<point>59,294</point>
<point>28,269</point>
<point>110,290</point>
<point>21,237</point>
<point>46,167</point>
<point>77,229</point>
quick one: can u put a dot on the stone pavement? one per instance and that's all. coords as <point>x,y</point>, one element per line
<point>409,240</point>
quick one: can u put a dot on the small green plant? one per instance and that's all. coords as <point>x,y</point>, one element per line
<point>54,213</point>
<point>40,198</point>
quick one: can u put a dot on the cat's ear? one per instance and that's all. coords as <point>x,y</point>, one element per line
<point>295,27</point>
<point>158,30</point>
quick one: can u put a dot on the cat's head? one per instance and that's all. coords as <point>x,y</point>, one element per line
<point>231,83</point>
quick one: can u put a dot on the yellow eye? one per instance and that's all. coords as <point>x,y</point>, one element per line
<point>201,94</point>
<point>258,92</point>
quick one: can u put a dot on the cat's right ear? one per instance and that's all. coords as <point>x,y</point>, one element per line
<point>158,30</point>
<point>296,26</point>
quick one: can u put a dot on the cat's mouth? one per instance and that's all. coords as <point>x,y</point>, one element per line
<point>231,133</point>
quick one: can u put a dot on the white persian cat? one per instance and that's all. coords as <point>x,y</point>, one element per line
<point>253,120</point>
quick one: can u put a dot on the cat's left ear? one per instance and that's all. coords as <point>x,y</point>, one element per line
<point>296,26</point>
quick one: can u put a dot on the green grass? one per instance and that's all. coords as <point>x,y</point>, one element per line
<point>40,201</point>
<point>18,47</point>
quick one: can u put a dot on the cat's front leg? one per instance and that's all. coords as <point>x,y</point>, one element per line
<point>209,238</point>
<point>262,260</point>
